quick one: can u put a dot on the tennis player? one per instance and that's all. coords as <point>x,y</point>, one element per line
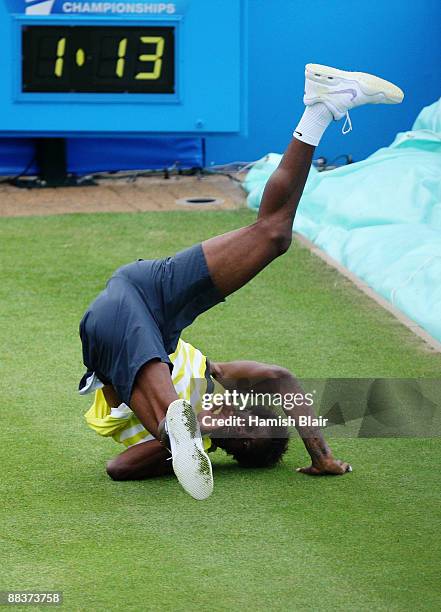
<point>256,436</point>
<point>130,330</point>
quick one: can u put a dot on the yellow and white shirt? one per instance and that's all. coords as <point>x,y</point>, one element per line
<point>191,381</point>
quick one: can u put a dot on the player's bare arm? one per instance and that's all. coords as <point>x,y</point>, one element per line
<point>263,378</point>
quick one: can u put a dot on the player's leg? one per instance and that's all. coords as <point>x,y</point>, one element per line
<point>155,403</point>
<point>234,258</point>
<point>145,460</point>
<point>124,344</point>
<point>152,394</point>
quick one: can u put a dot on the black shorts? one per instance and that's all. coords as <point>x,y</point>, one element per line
<point>141,314</point>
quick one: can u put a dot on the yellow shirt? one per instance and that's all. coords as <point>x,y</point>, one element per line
<point>191,382</point>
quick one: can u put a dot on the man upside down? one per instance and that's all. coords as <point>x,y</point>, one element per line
<point>131,332</point>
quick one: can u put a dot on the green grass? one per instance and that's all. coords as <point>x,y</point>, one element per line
<point>266,540</point>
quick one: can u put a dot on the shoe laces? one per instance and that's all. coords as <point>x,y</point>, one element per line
<point>347,126</point>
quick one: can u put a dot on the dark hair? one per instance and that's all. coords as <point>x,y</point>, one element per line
<point>265,449</point>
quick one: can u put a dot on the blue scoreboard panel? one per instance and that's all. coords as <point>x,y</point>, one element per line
<point>122,67</point>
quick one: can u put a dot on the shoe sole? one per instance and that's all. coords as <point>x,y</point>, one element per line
<point>190,461</point>
<point>370,84</point>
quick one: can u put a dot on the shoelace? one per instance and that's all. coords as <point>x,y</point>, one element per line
<point>348,123</point>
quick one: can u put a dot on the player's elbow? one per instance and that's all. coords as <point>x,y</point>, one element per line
<point>275,372</point>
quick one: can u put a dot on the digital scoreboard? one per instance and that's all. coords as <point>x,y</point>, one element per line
<point>128,68</point>
<point>93,59</point>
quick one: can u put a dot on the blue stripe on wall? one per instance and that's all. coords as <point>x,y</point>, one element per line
<point>88,155</point>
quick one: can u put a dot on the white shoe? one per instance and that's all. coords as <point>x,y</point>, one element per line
<point>341,91</point>
<point>190,461</point>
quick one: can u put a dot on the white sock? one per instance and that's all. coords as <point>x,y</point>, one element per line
<point>313,124</point>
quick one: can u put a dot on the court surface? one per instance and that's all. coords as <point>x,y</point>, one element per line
<point>269,539</point>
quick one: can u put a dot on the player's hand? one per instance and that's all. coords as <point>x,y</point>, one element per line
<point>329,467</point>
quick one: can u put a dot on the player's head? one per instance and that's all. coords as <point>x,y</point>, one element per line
<point>252,445</point>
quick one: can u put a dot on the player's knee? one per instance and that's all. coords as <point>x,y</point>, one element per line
<point>116,471</point>
<point>279,235</point>
<point>281,241</point>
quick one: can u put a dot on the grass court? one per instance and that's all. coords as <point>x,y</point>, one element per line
<point>266,540</point>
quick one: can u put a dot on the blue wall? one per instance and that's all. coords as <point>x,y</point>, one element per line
<point>399,40</point>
